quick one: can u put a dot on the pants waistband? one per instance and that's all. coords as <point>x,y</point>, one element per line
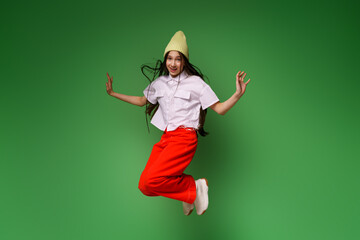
<point>182,127</point>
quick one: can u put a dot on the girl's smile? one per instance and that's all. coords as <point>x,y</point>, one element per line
<point>174,63</point>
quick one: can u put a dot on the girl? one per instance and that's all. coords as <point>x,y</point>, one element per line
<point>177,101</point>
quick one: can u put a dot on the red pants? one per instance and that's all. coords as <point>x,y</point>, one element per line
<point>163,174</point>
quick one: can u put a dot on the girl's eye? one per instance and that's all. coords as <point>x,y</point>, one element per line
<point>178,59</point>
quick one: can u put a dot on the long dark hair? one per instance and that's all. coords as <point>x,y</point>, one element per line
<point>160,69</point>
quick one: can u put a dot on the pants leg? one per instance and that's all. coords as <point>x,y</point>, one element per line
<point>163,174</point>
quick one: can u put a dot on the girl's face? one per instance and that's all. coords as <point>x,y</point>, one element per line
<point>174,63</point>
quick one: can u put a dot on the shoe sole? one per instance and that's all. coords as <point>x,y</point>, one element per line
<point>207,184</point>
<point>189,212</point>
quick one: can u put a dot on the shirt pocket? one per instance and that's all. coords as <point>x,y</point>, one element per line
<point>182,99</point>
<point>159,95</point>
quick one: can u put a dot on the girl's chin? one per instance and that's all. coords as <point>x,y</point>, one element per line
<point>173,75</point>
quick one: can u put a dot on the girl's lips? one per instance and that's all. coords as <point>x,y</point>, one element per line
<point>172,70</point>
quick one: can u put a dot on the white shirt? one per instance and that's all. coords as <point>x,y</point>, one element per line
<point>179,100</point>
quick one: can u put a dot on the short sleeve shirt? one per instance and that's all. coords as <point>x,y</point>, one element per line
<point>179,99</point>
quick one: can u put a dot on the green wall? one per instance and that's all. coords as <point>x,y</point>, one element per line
<point>282,164</point>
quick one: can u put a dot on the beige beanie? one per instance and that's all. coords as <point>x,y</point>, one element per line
<point>178,43</point>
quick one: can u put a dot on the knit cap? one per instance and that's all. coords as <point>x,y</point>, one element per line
<point>178,43</point>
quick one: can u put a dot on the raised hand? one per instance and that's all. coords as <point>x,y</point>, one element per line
<point>240,85</point>
<point>109,88</point>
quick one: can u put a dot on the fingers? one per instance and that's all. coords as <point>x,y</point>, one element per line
<point>110,79</point>
<point>243,76</point>
<point>238,75</point>
<point>240,84</point>
<point>109,82</point>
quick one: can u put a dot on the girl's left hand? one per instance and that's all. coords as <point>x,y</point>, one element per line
<point>240,85</point>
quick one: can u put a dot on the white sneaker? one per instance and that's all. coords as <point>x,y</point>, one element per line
<point>202,198</point>
<point>187,208</point>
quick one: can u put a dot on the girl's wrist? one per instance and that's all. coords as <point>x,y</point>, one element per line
<point>237,94</point>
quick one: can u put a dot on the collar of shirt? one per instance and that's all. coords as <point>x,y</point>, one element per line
<point>172,80</point>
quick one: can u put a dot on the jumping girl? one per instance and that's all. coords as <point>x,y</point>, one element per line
<point>177,101</point>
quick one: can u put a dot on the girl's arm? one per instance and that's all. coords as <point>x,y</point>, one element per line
<point>222,107</point>
<point>138,101</point>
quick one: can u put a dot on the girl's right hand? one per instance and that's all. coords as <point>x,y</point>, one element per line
<point>109,85</point>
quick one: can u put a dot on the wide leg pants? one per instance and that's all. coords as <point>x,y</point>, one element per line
<point>163,174</point>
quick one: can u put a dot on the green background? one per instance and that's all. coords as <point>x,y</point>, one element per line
<point>282,164</point>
